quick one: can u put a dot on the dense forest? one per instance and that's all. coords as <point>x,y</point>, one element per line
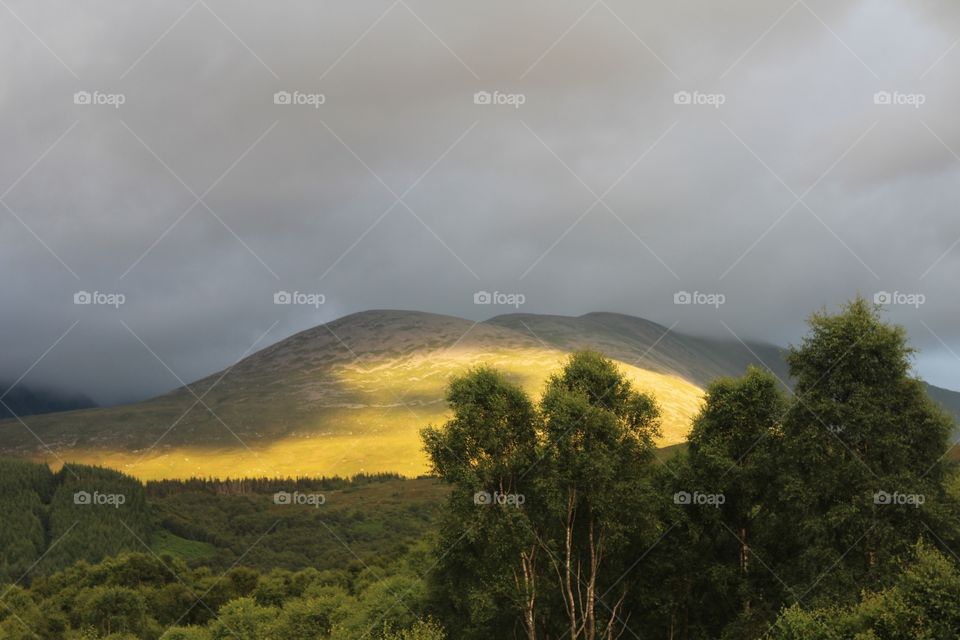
<point>823,507</point>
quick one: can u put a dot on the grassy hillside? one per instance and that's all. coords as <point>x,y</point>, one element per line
<point>350,396</point>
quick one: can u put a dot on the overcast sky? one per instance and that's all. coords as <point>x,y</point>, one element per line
<point>629,150</point>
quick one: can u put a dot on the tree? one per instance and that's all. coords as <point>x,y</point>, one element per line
<point>547,506</point>
<point>484,577</point>
<point>242,619</point>
<point>598,443</point>
<point>730,458</point>
<point>860,458</point>
<point>111,610</point>
<point>922,604</point>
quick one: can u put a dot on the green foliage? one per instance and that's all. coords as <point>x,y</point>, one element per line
<point>861,426</point>
<point>110,610</point>
<point>923,603</point>
<point>556,519</point>
<point>577,468</point>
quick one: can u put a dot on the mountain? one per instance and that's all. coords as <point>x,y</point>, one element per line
<point>351,395</point>
<point>22,400</point>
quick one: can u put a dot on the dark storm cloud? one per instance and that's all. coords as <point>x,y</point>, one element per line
<point>199,197</point>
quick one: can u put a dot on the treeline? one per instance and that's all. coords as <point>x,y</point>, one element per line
<point>142,596</point>
<point>52,520</point>
<point>825,513</point>
<point>261,485</point>
<point>788,516</point>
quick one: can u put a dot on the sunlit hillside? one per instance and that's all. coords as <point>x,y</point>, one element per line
<point>352,395</point>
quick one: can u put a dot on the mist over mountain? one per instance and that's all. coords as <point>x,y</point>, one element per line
<point>22,400</point>
<point>350,396</point>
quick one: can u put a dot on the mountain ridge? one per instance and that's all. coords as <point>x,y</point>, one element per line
<point>350,395</point>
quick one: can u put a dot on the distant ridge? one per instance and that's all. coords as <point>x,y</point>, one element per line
<point>29,401</point>
<point>350,396</point>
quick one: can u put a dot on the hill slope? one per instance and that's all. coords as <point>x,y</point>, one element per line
<point>351,395</point>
